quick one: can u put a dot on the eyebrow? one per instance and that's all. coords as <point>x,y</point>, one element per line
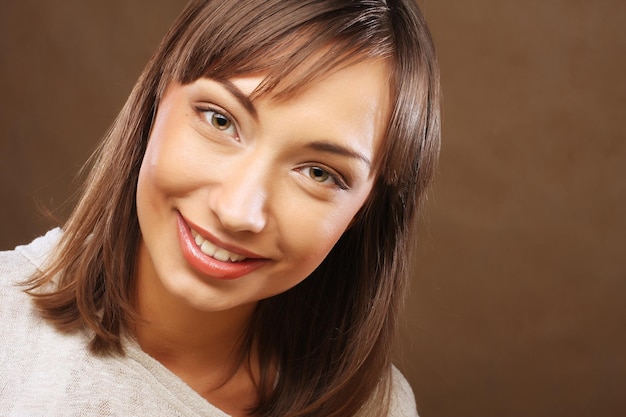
<point>339,150</point>
<point>243,99</point>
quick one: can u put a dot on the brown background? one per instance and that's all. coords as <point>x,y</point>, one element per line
<point>518,299</point>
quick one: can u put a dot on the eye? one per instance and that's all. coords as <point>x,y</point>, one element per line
<point>324,176</point>
<point>318,174</point>
<point>220,121</point>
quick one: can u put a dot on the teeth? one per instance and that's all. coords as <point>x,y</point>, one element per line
<point>222,255</point>
<point>213,251</point>
<point>208,248</point>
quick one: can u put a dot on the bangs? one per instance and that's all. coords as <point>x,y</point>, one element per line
<point>294,44</point>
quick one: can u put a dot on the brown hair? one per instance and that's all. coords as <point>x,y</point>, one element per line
<point>335,359</point>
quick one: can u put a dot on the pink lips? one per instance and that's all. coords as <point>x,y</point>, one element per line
<point>209,266</point>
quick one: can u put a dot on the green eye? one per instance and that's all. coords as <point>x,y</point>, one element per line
<point>220,122</point>
<point>324,176</point>
<point>318,174</point>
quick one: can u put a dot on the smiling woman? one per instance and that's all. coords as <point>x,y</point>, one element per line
<point>240,246</point>
<point>237,182</point>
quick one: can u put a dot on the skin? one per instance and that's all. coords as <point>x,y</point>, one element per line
<point>277,181</point>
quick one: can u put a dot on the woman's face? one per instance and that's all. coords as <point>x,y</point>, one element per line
<point>240,200</point>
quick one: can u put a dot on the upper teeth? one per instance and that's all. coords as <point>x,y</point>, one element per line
<point>213,251</point>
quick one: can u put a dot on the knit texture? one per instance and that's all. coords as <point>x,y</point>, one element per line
<point>44,372</point>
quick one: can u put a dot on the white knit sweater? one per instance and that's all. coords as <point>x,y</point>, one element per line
<point>47,373</point>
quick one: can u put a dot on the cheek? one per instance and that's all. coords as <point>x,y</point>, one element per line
<point>331,230</point>
<point>150,183</point>
<point>313,234</point>
<point>166,171</point>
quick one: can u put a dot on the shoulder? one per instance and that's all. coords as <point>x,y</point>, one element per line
<point>402,398</point>
<point>38,251</point>
<point>25,260</point>
<point>20,264</point>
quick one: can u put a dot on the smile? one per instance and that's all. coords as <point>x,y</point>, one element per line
<point>214,251</point>
<point>211,260</point>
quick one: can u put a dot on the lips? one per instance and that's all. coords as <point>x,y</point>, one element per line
<point>211,258</point>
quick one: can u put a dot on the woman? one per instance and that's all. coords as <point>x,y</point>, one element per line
<point>241,244</point>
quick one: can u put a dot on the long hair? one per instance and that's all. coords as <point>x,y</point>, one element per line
<point>332,334</point>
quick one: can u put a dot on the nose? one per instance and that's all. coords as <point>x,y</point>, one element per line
<point>239,200</point>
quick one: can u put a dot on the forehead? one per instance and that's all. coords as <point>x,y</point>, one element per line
<point>317,71</point>
<point>368,80</point>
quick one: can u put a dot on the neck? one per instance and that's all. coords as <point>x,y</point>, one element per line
<point>181,336</point>
<point>178,334</point>
<point>203,348</point>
